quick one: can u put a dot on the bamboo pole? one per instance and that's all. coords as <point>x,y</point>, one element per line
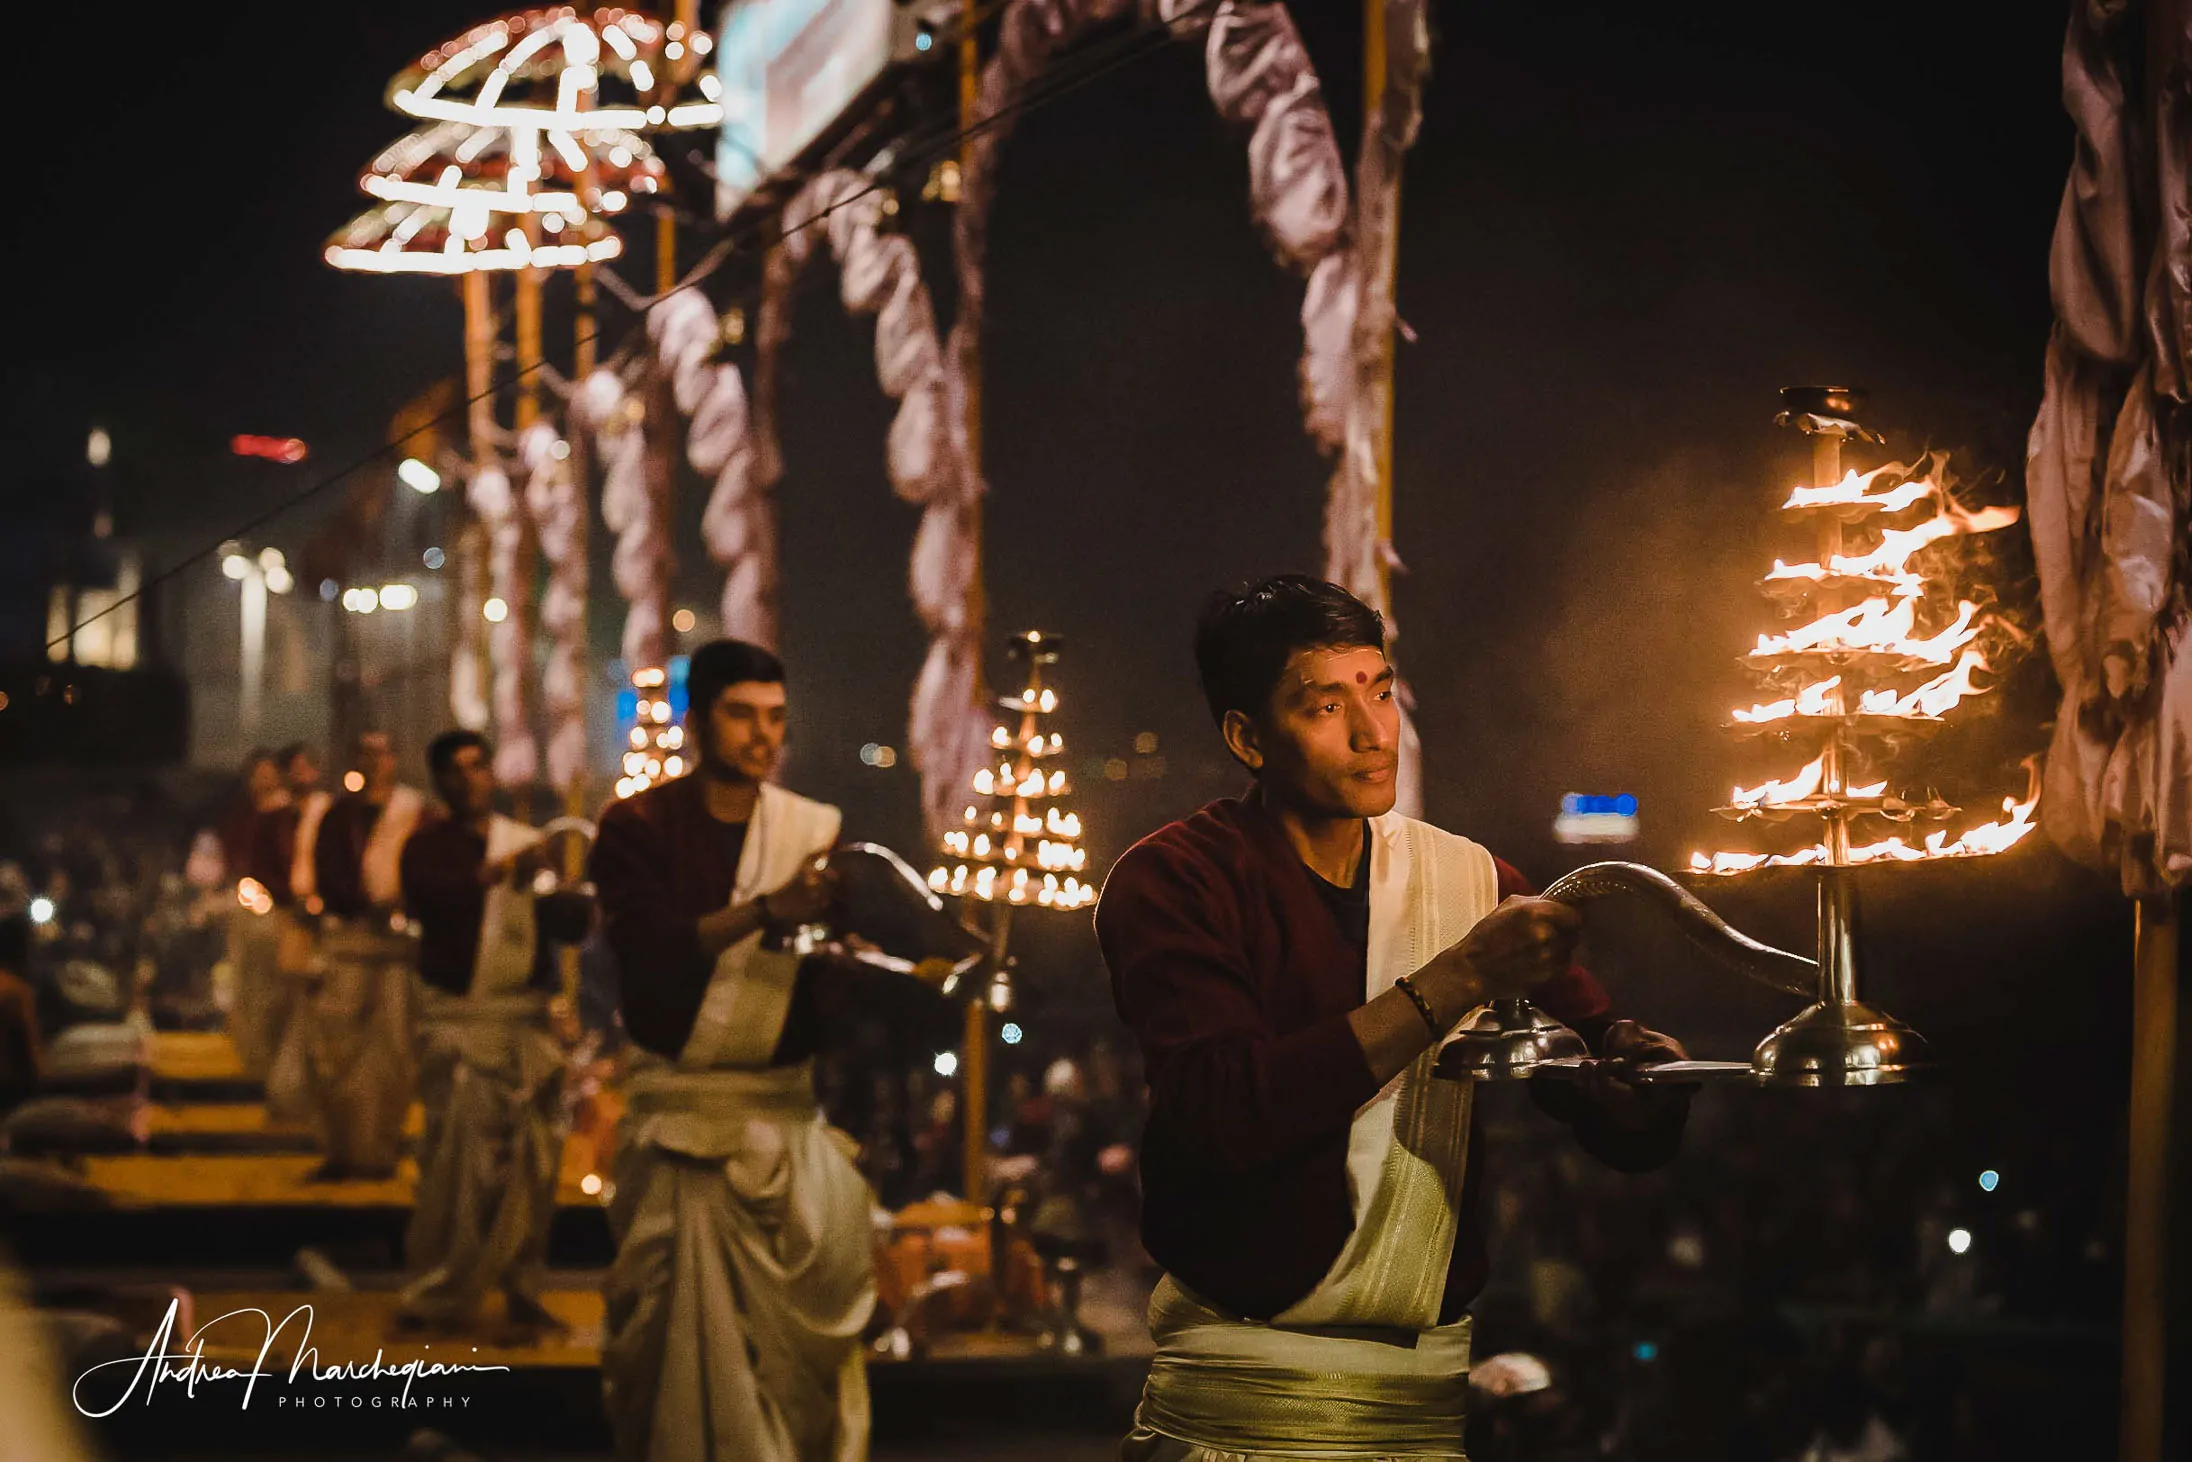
<point>974,1041</point>
<point>2153,1028</point>
<point>471,545</point>
<point>2146,1199</point>
<point>1373,105</point>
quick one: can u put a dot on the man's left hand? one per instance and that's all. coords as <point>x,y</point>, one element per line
<point>1610,1081</point>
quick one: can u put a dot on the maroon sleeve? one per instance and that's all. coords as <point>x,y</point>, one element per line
<point>1230,1089</point>
<point>661,973</point>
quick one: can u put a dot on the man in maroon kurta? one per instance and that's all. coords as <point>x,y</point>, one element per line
<point>1239,941</point>
<point>743,1276</point>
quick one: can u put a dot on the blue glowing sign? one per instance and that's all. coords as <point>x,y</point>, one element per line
<point>1596,819</point>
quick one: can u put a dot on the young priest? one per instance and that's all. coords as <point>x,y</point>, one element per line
<point>1291,962</point>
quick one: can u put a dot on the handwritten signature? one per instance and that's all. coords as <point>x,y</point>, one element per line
<point>189,1366</point>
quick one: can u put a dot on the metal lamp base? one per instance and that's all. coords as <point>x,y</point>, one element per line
<point>1505,1041</point>
<point>1841,1043</point>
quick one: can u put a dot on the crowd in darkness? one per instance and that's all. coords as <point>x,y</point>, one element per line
<point>1812,1280</point>
<point>1818,1277</point>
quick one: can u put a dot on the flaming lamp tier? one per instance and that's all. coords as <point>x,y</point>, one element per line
<point>1879,651</point>
<point>1018,843</point>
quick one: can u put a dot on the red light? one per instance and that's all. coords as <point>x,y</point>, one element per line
<point>274,449</point>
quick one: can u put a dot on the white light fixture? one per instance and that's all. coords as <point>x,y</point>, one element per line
<point>495,611</point>
<point>278,580</point>
<point>1959,1240</point>
<point>947,1063</point>
<point>99,448</point>
<point>417,476</point>
<point>1011,1033</point>
<point>398,596</point>
<point>236,566</point>
<point>271,559</point>
<point>41,911</point>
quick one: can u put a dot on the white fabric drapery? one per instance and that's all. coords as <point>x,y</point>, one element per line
<point>2109,463</point>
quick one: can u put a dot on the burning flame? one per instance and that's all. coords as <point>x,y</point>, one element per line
<point>1978,842</point>
<point>1903,586</point>
<point>1935,697</point>
<point>1804,784</point>
<point>1812,700</point>
<point>1855,491</point>
<point>1889,561</point>
<point>1874,625</point>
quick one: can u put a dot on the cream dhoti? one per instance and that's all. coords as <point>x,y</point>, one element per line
<point>350,1043</point>
<point>353,1030</point>
<point>743,1277</point>
<point>259,1002</point>
<point>490,1082</point>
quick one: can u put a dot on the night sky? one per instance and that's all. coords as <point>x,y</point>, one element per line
<point>1623,228</point>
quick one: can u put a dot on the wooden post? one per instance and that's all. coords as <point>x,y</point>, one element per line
<point>974,1046</point>
<point>1373,106</point>
<point>528,324</point>
<point>2153,1015</point>
<point>471,544</point>
<point>2146,1198</point>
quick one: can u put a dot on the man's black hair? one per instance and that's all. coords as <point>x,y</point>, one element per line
<point>720,664</point>
<point>288,755</point>
<point>441,752</point>
<point>1246,634</point>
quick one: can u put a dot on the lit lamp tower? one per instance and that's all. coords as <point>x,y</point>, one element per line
<point>530,141</point>
<point>1881,651</point>
<point>1018,846</point>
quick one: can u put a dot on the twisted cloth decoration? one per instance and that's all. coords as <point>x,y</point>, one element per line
<point>510,642</point>
<point>739,524</point>
<point>1706,930</point>
<point>1261,78</point>
<point>557,506</point>
<point>925,455</point>
<point>635,505</point>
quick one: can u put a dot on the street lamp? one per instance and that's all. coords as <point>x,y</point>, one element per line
<point>267,573</point>
<point>419,477</point>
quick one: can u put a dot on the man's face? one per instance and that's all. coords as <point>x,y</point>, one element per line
<point>744,730</point>
<point>467,784</point>
<point>302,773</point>
<point>1329,742</point>
<point>263,782</point>
<point>376,760</point>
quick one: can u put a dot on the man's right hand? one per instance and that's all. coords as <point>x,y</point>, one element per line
<point>805,897</point>
<point>1510,952</point>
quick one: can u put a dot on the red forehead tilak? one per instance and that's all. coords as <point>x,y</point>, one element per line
<point>1362,677</point>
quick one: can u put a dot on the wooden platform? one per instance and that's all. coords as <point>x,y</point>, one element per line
<point>242,1180</point>
<point>195,1056</point>
<point>353,1326</point>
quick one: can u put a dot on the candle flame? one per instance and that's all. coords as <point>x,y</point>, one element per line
<point>1855,490</point>
<point>1874,625</point>
<point>1978,842</point>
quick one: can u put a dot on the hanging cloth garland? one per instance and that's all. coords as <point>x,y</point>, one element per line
<point>557,507</point>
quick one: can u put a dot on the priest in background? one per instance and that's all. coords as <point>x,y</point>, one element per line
<point>490,1070</point>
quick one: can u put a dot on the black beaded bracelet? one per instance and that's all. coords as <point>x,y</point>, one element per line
<point>1423,1006</point>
